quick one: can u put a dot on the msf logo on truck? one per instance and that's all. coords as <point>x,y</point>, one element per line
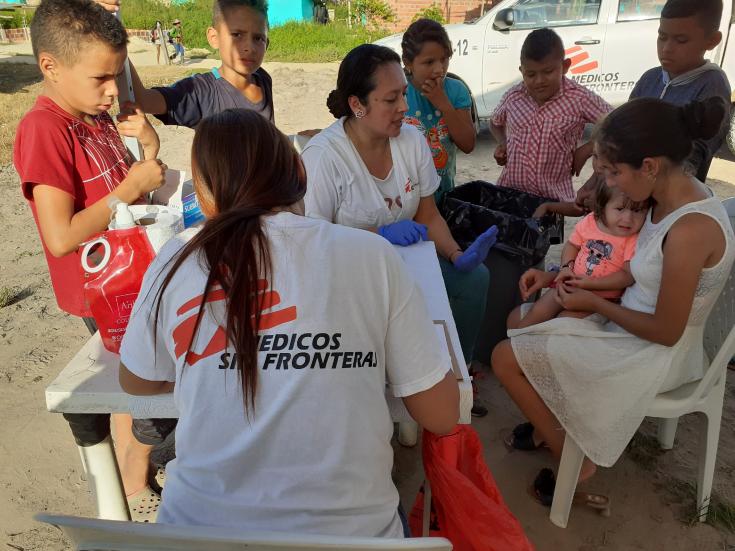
<point>583,70</point>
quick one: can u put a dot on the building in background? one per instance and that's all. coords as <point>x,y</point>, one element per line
<point>455,11</point>
<point>281,11</point>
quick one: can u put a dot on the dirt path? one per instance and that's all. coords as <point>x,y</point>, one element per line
<point>41,469</point>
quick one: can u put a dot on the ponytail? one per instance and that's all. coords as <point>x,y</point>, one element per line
<point>248,169</point>
<point>356,77</point>
<point>649,127</point>
<point>337,105</point>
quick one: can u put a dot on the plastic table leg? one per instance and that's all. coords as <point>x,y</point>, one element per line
<point>103,476</point>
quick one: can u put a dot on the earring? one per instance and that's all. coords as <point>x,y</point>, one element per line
<point>359,113</point>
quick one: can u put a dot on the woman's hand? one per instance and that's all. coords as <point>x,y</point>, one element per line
<point>433,90</point>
<point>133,123</point>
<point>534,280</point>
<point>404,232</point>
<point>477,252</point>
<point>575,299</point>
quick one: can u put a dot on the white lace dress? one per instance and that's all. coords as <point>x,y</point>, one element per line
<point>597,378</point>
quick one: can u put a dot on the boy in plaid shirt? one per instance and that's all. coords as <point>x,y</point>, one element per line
<point>539,122</point>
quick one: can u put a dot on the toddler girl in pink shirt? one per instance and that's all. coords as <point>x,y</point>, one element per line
<point>596,257</point>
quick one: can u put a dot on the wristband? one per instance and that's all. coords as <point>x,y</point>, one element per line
<point>569,265</point>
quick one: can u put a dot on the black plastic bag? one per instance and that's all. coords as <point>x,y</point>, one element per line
<point>472,208</point>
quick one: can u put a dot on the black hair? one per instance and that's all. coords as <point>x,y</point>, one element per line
<point>540,44</point>
<point>244,168</point>
<point>219,7</point>
<point>419,33</point>
<point>707,12</point>
<point>355,76</point>
<point>602,195</point>
<point>650,127</point>
<point>63,27</point>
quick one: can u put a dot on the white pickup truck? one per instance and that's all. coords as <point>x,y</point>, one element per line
<point>611,44</point>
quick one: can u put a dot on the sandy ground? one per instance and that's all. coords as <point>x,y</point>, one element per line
<point>651,506</point>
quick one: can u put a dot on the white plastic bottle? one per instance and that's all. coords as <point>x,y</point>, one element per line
<point>123,217</point>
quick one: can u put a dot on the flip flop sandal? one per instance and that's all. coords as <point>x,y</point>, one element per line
<point>478,410</point>
<point>143,505</point>
<point>543,492</point>
<point>521,438</point>
<point>157,478</point>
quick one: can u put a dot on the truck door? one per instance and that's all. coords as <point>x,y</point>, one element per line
<point>630,47</point>
<point>580,23</point>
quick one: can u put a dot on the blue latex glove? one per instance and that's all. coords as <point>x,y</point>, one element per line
<point>403,232</point>
<point>477,252</point>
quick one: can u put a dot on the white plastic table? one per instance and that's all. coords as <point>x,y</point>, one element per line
<point>89,384</point>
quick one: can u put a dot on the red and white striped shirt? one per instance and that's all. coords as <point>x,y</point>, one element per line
<point>542,138</point>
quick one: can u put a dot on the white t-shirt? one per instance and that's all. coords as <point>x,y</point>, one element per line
<point>315,455</point>
<point>389,190</point>
<point>341,189</point>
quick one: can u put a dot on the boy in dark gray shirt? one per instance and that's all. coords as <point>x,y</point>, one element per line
<point>240,32</point>
<point>688,29</point>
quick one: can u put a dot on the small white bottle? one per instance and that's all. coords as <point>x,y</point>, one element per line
<point>123,217</point>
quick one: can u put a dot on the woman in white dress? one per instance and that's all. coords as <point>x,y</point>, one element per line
<point>595,377</point>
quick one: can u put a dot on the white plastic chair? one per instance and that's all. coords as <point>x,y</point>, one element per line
<point>705,396</point>
<point>88,534</point>
<point>729,205</point>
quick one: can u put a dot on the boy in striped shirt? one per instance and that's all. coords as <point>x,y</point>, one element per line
<point>540,121</point>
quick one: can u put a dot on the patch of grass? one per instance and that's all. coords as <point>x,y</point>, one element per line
<point>198,53</point>
<point>297,42</point>
<point>644,450</point>
<point>12,295</point>
<point>309,42</point>
<point>721,513</point>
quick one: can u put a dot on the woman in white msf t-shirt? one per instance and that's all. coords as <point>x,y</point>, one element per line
<point>372,171</point>
<point>277,334</point>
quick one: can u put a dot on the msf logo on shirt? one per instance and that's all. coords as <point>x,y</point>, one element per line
<point>184,331</point>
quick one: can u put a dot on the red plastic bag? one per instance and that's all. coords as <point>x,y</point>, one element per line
<point>466,505</point>
<point>114,264</point>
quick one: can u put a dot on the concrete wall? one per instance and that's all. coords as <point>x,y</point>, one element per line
<point>455,11</point>
<point>281,11</point>
<point>16,35</point>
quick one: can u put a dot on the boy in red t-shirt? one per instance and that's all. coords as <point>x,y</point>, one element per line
<point>74,168</point>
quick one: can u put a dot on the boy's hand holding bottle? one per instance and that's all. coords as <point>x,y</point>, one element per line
<point>143,177</point>
<point>133,123</point>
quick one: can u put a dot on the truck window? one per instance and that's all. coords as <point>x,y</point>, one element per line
<point>535,14</point>
<point>638,10</point>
